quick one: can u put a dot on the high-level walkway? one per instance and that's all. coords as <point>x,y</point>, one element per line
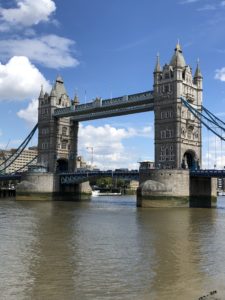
<point>129,104</point>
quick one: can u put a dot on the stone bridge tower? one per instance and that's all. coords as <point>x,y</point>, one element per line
<point>57,138</point>
<point>177,131</point>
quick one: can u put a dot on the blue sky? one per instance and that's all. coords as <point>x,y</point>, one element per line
<point>105,48</point>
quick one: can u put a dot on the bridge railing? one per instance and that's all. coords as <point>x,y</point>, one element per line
<point>208,173</point>
<point>85,175</point>
<point>104,103</point>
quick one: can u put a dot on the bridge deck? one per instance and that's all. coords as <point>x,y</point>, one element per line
<point>81,176</point>
<point>99,108</point>
<point>208,173</point>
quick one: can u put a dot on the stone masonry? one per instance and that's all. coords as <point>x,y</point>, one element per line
<point>177,131</point>
<point>57,138</point>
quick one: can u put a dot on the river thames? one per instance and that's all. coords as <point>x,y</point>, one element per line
<point>106,248</point>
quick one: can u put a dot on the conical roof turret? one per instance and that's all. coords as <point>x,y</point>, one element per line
<point>59,79</point>
<point>53,92</point>
<point>177,59</point>
<point>41,96</point>
<point>59,87</point>
<point>198,73</point>
<point>76,100</point>
<point>157,65</point>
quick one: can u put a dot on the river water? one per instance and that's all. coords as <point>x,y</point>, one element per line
<point>106,248</point>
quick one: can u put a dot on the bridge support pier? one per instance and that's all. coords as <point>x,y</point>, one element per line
<point>46,186</point>
<point>163,188</point>
<point>175,188</point>
<point>203,191</point>
<point>73,152</point>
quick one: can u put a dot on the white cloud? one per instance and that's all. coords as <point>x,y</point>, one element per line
<point>213,151</point>
<point>20,80</point>
<point>220,74</point>
<point>109,151</point>
<point>28,12</point>
<point>30,114</point>
<point>207,7</point>
<point>51,50</point>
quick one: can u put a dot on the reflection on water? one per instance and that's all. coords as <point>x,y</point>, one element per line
<point>106,248</point>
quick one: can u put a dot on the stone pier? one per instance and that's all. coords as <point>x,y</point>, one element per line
<point>175,188</point>
<point>46,186</point>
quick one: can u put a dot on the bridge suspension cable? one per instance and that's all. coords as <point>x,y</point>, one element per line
<point>4,165</point>
<point>211,118</point>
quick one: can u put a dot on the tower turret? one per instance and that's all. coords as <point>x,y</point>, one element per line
<point>157,71</point>
<point>76,100</point>
<point>177,59</point>
<point>177,132</point>
<point>198,76</point>
<point>157,65</point>
<point>55,136</point>
<point>53,97</point>
<point>41,96</point>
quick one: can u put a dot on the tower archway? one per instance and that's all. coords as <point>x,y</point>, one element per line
<point>190,160</point>
<point>62,165</point>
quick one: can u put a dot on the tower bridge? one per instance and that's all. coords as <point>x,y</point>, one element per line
<point>177,132</point>
<point>176,100</point>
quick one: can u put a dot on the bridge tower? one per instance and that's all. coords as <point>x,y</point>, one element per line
<point>177,131</point>
<point>57,138</point>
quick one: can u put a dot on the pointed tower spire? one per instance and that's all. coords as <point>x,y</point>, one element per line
<point>178,46</point>
<point>198,73</point>
<point>76,100</point>
<point>157,66</point>
<point>41,96</point>
<point>53,92</point>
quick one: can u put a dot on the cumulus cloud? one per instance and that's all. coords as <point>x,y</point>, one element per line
<point>220,74</point>
<point>109,150</point>
<point>30,114</point>
<point>50,50</point>
<point>213,152</point>
<point>28,12</point>
<point>107,142</point>
<point>20,80</point>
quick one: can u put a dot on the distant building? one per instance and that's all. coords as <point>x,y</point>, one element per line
<point>133,185</point>
<point>221,184</point>
<point>81,164</point>
<point>25,157</point>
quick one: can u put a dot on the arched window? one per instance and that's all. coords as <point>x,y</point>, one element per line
<point>64,130</point>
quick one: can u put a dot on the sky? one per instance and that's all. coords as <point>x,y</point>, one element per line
<point>106,49</point>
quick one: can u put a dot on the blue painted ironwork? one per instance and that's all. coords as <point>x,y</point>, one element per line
<point>99,108</point>
<point>4,165</point>
<point>85,175</point>
<point>208,173</point>
<point>211,118</point>
<point>10,177</point>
